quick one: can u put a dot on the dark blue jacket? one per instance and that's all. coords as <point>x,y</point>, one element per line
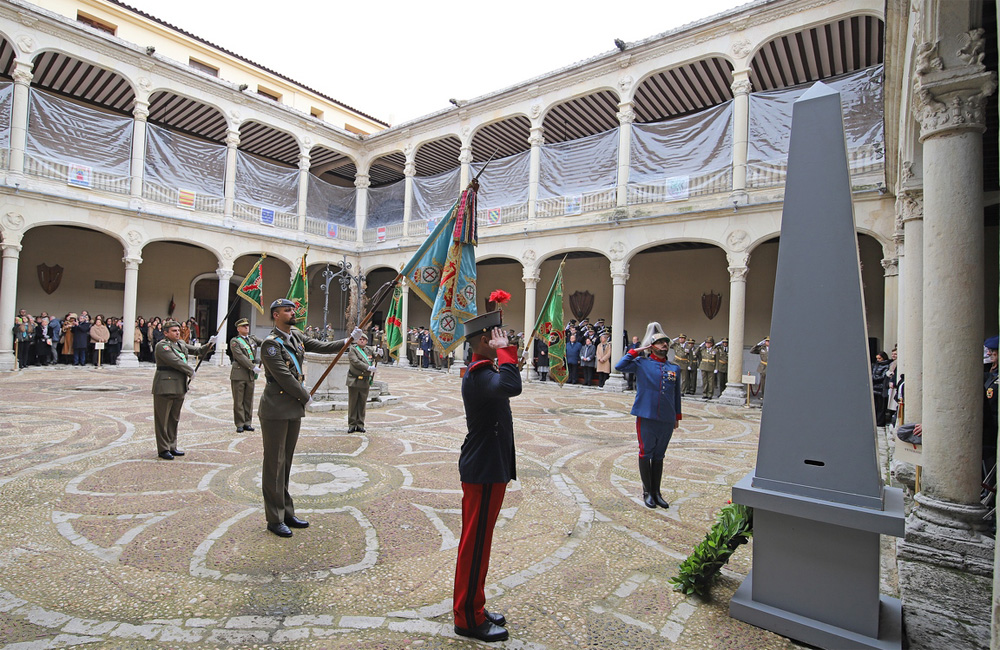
<point>657,390</point>
<point>573,352</point>
<point>488,451</point>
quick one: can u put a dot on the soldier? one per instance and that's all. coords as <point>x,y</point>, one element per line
<point>170,384</point>
<point>281,409</point>
<point>486,465</point>
<point>691,378</point>
<point>761,349</point>
<point>244,347</point>
<point>359,379</point>
<point>682,359</point>
<point>722,366</point>
<point>708,364</point>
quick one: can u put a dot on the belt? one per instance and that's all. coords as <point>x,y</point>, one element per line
<point>167,368</point>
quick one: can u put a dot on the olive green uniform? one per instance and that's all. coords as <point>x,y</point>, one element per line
<point>708,364</point>
<point>761,349</point>
<point>684,358</point>
<point>242,377</point>
<point>282,406</point>
<point>359,380</point>
<point>170,384</point>
<point>722,365</point>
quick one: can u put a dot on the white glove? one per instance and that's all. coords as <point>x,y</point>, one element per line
<point>211,339</point>
<point>526,355</point>
<point>259,370</point>
<point>371,368</point>
<point>716,372</point>
<point>357,333</point>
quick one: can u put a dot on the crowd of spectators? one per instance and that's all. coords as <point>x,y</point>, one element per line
<point>81,340</point>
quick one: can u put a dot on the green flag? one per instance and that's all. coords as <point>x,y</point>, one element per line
<point>299,294</point>
<point>549,328</point>
<point>394,323</point>
<point>253,286</point>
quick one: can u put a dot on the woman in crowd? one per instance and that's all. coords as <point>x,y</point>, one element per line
<point>880,386</point>
<point>155,333</point>
<point>194,329</point>
<point>114,342</point>
<point>42,343</point>
<point>603,360</point>
<point>542,359</point>
<point>588,360</point>
<point>141,340</point>
<point>99,334</point>
<point>67,337</point>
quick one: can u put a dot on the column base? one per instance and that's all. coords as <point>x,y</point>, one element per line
<point>945,575</point>
<point>734,395</point>
<point>8,362</point>
<point>456,369</point>
<point>221,359</point>
<point>403,362</point>
<point>128,360</point>
<point>615,384</point>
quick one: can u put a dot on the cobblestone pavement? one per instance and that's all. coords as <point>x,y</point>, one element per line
<point>103,544</point>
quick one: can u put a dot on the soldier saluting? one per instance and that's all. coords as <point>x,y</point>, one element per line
<point>281,409</point>
<point>170,384</point>
<point>682,359</point>
<point>244,348</point>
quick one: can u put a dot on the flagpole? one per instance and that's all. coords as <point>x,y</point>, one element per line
<point>540,316</point>
<point>212,344</point>
<point>380,295</point>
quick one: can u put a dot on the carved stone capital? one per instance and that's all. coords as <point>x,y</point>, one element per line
<point>22,72</point>
<point>233,139</point>
<point>891,266</point>
<point>626,116</point>
<point>224,274</point>
<point>952,100</point>
<point>141,111</point>
<point>410,169</point>
<point>973,49</point>
<point>10,249</point>
<point>909,207</point>
<point>741,86</point>
<point>132,263</point>
<point>738,273</point>
<point>738,257</point>
<point>536,137</point>
<point>362,182</point>
<point>304,162</point>
<point>619,272</point>
<point>465,156</point>
<point>531,278</point>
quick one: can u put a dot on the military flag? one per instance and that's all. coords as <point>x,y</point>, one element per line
<point>299,294</point>
<point>443,272</point>
<point>394,323</point>
<point>549,328</point>
<point>253,285</point>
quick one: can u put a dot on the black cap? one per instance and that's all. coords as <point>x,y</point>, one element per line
<point>483,322</point>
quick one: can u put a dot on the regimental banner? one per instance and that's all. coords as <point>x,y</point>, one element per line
<point>331,230</point>
<point>267,216</point>
<point>80,176</point>
<point>185,199</point>
<point>493,217</point>
<point>677,188</point>
<point>380,233</point>
<point>574,204</point>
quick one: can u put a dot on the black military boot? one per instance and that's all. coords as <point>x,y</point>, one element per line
<point>655,474</point>
<point>644,471</point>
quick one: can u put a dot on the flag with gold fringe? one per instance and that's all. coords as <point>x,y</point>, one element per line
<point>549,328</point>
<point>394,323</point>
<point>253,285</point>
<point>299,294</point>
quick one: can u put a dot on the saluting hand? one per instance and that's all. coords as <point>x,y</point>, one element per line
<point>498,338</point>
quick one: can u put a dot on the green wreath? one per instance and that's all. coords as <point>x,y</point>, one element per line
<point>733,527</point>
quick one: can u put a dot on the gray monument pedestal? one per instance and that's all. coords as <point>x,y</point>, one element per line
<point>332,393</point>
<point>817,493</point>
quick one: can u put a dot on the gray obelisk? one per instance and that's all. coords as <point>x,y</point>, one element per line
<point>818,498</point>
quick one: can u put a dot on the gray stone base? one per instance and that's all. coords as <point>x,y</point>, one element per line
<point>615,384</point>
<point>127,359</point>
<point>734,395</point>
<point>945,576</point>
<point>8,362</point>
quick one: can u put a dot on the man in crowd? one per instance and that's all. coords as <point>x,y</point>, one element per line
<point>761,350</point>
<point>683,360</point>
<point>722,366</point>
<point>244,348</point>
<point>170,384</point>
<point>281,409</point>
<point>708,363</point>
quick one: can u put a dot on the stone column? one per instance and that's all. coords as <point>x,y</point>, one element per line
<point>303,190</point>
<point>626,116</point>
<point>127,358</point>
<point>140,113</point>
<point>465,157</point>
<point>232,142</point>
<point>362,183</point>
<point>891,324</point>
<point>910,210</point>
<point>536,139</point>
<point>898,240</point>
<point>530,278</point>
<point>945,551</point>
<point>19,116</point>
<point>741,127</point>
<point>735,393</point>
<point>8,302</point>
<point>224,273</point>
<point>619,276</point>
<point>409,171</point>
<point>404,361</point>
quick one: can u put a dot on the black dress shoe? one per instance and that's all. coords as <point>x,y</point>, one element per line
<point>166,455</point>
<point>361,429</point>
<point>495,618</point>
<point>487,631</point>
<point>295,522</point>
<point>239,429</point>
<point>351,429</point>
<point>281,530</point>
<point>176,452</point>
<point>247,428</point>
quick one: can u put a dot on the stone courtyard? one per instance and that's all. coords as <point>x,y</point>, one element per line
<point>104,545</point>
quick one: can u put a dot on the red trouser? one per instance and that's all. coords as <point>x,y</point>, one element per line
<point>480,508</point>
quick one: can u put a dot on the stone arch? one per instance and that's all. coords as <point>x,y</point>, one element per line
<point>438,155</point>
<point>53,70</point>
<point>265,140</point>
<point>686,88</point>
<point>180,112</point>
<point>589,113</point>
<point>387,168</point>
<point>506,136</point>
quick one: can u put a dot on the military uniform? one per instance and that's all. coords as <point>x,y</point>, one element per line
<point>722,365</point>
<point>170,385</point>
<point>708,360</point>
<point>242,376</point>
<point>359,380</point>
<point>282,406</point>
<point>761,349</point>
<point>683,359</point>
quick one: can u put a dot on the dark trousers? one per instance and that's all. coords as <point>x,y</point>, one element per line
<point>480,509</point>
<point>280,438</point>
<point>573,370</point>
<point>708,383</point>
<point>588,375</point>
<point>654,436</point>
<point>242,402</point>
<point>79,356</point>
<point>166,415</point>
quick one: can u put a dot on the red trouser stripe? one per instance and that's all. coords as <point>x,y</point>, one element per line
<point>480,509</point>
<point>638,434</point>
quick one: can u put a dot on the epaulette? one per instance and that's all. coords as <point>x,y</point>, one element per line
<point>479,363</point>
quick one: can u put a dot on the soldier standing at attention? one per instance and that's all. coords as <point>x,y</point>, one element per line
<point>683,360</point>
<point>359,380</point>
<point>708,363</point>
<point>761,349</point>
<point>281,409</point>
<point>244,348</point>
<point>486,465</point>
<point>722,365</point>
<point>170,384</point>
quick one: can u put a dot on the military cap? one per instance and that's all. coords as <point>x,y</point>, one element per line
<point>170,323</point>
<point>681,336</point>
<point>483,322</point>
<point>659,336</point>
<point>991,343</point>
<point>282,302</point>
<point>241,322</point>
<point>710,340</point>
<point>767,338</point>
